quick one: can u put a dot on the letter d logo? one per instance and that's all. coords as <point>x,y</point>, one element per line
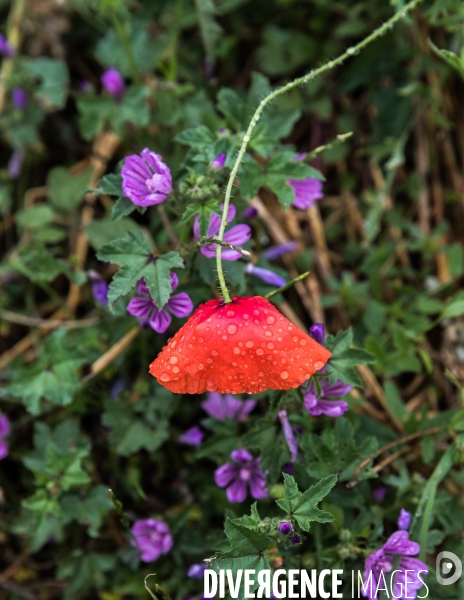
<point>445,568</point>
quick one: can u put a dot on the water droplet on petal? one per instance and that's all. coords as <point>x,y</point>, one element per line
<point>224,337</point>
<point>173,344</point>
<point>175,369</point>
<point>214,352</point>
<point>249,344</point>
<point>236,350</point>
<point>210,386</point>
<point>303,342</point>
<point>209,360</point>
<point>267,334</point>
<point>245,316</point>
<point>256,313</point>
<point>164,376</point>
<point>270,345</point>
<point>232,328</point>
<point>307,375</point>
<point>279,338</point>
<point>270,320</point>
<point>259,351</point>
<point>230,313</point>
<point>319,364</point>
<point>295,338</point>
<point>201,366</point>
<point>284,374</point>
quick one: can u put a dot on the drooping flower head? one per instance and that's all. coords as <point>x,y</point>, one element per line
<point>192,437</point>
<point>317,331</point>
<point>237,235</point>
<point>19,98</point>
<point>379,565</point>
<point>266,275</point>
<point>145,308</point>
<point>5,429</point>
<point>245,346</point>
<point>219,161</point>
<point>152,538</point>
<point>323,403</point>
<point>227,407</point>
<point>288,434</point>
<point>146,180</point>
<point>113,82</point>
<point>237,476</point>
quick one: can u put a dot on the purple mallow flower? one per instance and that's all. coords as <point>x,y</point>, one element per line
<point>19,98</point>
<point>15,163</point>
<point>237,235</point>
<point>113,82</point>
<point>285,527</point>
<point>227,407</point>
<point>145,308</point>
<point>146,180</point>
<point>192,437</point>
<point>408,578</point>
<point>288,434</point>
<point>265,274</point>
<point>5,48</point>
<point>306,190</point>
<point>152,538</point>
<point>323,403</point>
<point>196,571</point>
<point>218,162</point>
<point>404,520</point>
<point>379,493</point>
<point>279,250</point>
<point>243,472</point>
<point>4,433</point>
<point>317,332</point>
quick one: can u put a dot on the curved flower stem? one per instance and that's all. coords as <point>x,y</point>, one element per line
<point>257,114</point>
<point>287,285</point>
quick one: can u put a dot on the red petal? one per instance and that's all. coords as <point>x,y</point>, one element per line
<point>246,346</point>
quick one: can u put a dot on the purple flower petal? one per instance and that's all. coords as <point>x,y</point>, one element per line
<point>4,449</point>
<point>399,543</point>
<point>5,426</point>
<point>306,191</point>
<point>152,538</point>
<point>317,332</point>
<point>404,520</point>
<point>331,408</point>
<point>218,162</point>
<point>279,250</point>
<point>160,320</point>
<point>142,288</point>
<point>379,493</point>
<point>227,407</point>
<point>241,456</point>
<point>192,437</point>
<point>288,434</point>
<point>174,281</point>
<point>180,305</point>
<point>257,487</point>
<point>113,82</point>
<point>15,163</point>
<point>19,98</point>
<point>265,274</point>
<point>224,475</point>
<point>141,307</point>
<point>250,212</point>
<point>146,180</point>
<point>285,527</point>
<point>237,491</point>
<point>5,48</point>
<point>196,571</point>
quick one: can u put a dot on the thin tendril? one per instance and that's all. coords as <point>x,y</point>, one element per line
<point>301,80</point>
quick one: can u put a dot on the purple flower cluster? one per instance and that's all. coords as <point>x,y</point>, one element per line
<point>145,308</point>
<point>306,190</point>
<point>5,48</point>
<point>113,82</point>
<point>5,429</point>
<point>410,571</point>
<point>152,538</point>
<point>244,472</point>
<point>146,180</point>
<point>322,402</point>
<point>237,235</point>
<point>227,407</point>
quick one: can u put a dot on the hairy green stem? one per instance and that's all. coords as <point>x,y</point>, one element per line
<point>257,114</point>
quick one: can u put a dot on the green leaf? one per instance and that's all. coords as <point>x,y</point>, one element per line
<point>66,190</point>
<point>134,255</point>
<point>449,57</point>
<point>454,309</point>
<point>53,81</point>
<point>205,211</point>
<point>343,362</point>
<point>283,190</point>
<point>88,511</point>
<point>104,231</point>
<point>122,207</point>
<point>110,184</point>
<point>252,177</point>
<point>210,30</point>
<point>196,137</point>
<point>303,506</point>
<point>53,377</point>
<point>38,264</point>
<point>35,217</point>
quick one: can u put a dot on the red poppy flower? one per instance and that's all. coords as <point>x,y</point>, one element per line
<point>245,346</point>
